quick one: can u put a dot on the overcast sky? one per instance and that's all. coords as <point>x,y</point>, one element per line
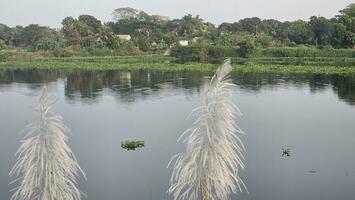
<point>51,12</point>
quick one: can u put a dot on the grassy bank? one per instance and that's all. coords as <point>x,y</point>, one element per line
<point>215,53</point>
<point>166,65</point>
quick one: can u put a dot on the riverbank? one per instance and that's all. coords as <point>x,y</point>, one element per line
<point>166,65</point>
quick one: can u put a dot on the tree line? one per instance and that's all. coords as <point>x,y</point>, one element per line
<point>151,33</point>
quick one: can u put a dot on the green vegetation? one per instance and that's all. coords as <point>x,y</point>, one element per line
<point>288,65</point>
<point>216,54</point>
<point>306,61</point>
<point>319,45</point>
<point>286,151</point>
<point>299,69</point>
<point>88,36</point>
<point>132,145</point>
<point>304,51</point>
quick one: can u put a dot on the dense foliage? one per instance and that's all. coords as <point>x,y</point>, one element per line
<point>132,145</point>
<point>87,35</point>
<point>216,53</point>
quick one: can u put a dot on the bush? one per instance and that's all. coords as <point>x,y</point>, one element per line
<point>67,51</point>
<point>262,40</point>
<point>44,44</point>
<point>16,54</point>
<point>72,51</point>
<point>207,53</point>
<point>102,51</point>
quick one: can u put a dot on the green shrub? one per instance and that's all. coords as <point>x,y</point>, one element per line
<point>207,53</point>
<point>77,51</point>
<point>16,54</point>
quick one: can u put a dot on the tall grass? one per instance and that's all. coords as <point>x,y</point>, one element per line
<point>214,152</point>
<point>46,167</point>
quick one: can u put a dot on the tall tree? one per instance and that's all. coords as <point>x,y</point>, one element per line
<point>38,37</point>
<point>94,24</point>
<point>271,27</point>
<point>300,32</point>
<point>71,30</point>
<point>125,13</point>
<point>251,25</point>
<point>322,30</point>
<point>5,35</point>
<point>349,10</point>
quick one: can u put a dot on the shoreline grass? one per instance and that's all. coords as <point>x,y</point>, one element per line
<point>165,65</point>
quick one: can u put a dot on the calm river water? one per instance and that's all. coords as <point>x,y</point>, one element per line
<point>312,115</point>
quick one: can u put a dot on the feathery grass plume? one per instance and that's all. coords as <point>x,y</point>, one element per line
<point>46,167</point>
<point>208,170</point>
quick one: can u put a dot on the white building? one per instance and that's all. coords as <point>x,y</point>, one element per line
<point>123,37</point>
<point>184,42</point>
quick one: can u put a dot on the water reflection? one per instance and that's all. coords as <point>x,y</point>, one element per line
<point>130,86</point>
<point>283,115</point>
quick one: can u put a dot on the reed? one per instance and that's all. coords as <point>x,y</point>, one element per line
<point>208,170</point>
<point>46,167</point>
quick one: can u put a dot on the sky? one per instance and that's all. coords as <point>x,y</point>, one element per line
<point>51,12</point>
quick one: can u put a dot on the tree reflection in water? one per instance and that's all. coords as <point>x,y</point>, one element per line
<point>130,86</point>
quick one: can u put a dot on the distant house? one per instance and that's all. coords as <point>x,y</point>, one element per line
<point>184,42</point>
<point>123,37</point>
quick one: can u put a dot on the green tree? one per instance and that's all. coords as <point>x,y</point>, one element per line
<point>38,37</point>
<point>17,38</point>
<point>250,25</point>
<point>94,24</point>
<point>225,39</point>
<point>2,44</point>
<point>142,43</point>
<point>339,35</point>
<point>189,26</point>
<point>262,40</point>
<point>225,27</point>
<point>271,27</point>
<point>124,13</point>
<point>347,18</point>
<point>71,30</point>
<point>349,10</point>
<point>300,32</point>
<point>322,30</point>
<point>5,35</point>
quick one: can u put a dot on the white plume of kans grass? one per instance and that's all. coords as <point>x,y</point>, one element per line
<point>208,170</point>
<point>46,167</point>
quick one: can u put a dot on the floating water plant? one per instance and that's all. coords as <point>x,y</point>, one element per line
<point>46,167</point>
<point>208,170</point>
<point>132,145</point>
<point>286,151</point>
